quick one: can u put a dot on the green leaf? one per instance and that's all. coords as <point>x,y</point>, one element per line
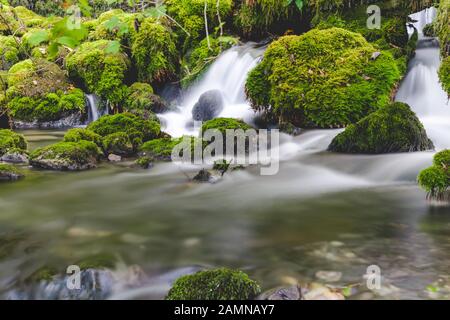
<point>113,47</point>
<point>67,41</point>
<point>39,37</point>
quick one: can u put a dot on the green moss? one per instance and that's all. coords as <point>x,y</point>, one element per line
<point>428,30</point>
<point>190,14</point>
<point>99,72</point>
<point>98,261</point>
<point>444,74</point>
<point>197,62</point>
<point>9,172</point>
<point>324,78</point>
<point>442,27</point>
<point>71,156</point>
<point>124,30</point>
<point>144,162</point>
<point>160,149</point>
<point>137,129</point>
<point>154,52</point>
<point>142,101</point>
<point>20,71</point>
<point>223,124</point>
<point>258,18</point>
<point>43,274</point>
<point>78,134</point>
<point>11,140</point>
<point>393,128</point>
<point>435,181</point>
<point>50,107</point>
<point>9,24</point>
<point>117,143</point>
<point>9,51</point>
<point>219,284</point>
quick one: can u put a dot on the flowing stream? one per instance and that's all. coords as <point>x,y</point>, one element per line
<point>321,212</point>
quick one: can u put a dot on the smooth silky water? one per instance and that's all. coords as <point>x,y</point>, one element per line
<point>321,211</point>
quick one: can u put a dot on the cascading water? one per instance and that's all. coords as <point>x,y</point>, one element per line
<point>94,112</point>
<point>227,74</point>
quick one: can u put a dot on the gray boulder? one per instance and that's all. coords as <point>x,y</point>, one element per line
<point>209,106</point>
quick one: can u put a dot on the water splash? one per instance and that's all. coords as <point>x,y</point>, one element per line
<point>227,74</point>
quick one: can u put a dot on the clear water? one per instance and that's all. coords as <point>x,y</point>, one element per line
<point>321,212</point>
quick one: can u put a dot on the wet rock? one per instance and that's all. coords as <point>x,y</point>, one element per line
<point>114,158</point>
<point>320,292</point>
<point>290,129</point>
<point>9,173</point>
<point>15,156</point>
<point>375,55</point>
<point>209,106</point>
<point>211,176</point>
<point>290,293</point>
<point>73,120</point>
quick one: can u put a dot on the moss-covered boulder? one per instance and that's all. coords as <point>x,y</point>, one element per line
<point>393,128</point>
<point>9,23</point>
<point>442,27</point>
<point>444,74</point>
<point>219,284</point>
<point>99,71</point>
<point>66,156</point>
<point>435,180</point>
<point>324,78</point>
<point>124,130</point>
<point>9,52</point>
<point>38,90</point>
<point>115,25</point>
<point>141,100</point>
<point>9,140</point>
<point>154,52</point>
<point>428,30</point>
<point>224,124</point>
<point>9,173</point>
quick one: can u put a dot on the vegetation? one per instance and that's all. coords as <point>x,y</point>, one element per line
<point>324,78</point>
<point>161,149</point>
<point>10,140</point>
<point>444,74</point>
<point>78,134</point>
<point>393,128</point>
<point>9,172</point>
<point>219,284</point>
<point>436,179</point>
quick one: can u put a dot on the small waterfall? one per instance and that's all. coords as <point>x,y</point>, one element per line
<point>421,88</point>
<point>93,103</point>
<point>227,74</point>
<point>423,18</point>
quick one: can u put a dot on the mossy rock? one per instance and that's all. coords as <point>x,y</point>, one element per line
<point>202,56</point>
<point>323,78</point>
<point>78,134</point>
<point>98,71</point>
<point>66,156</point>
<point>224,124</point>
<point>98,261</point>
<point>39,91</point>
<point>393,128</point>
<point>435,180</point>
<point>118,143</point>
<point>137,129</point>
<point>219,284</point>
<point>161,149</point>
<point>9,173</point>
<point>444,74</point>
<point>123,29</point>
<point>154,53</point>
<point>428,30</point>
<point>9,51</point>
<point>9,140</point>
<point>9,23</point>
<point>141,99</point>
<point>442,27</point>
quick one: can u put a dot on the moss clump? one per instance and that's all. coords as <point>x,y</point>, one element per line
<point>115,25</point>
<point>203,56</point>
<point>9,22</point>
<point>141,100</point>
<point>442,27</point>
<point>428,30</point>
<point>444,74</point>
<point>393,128</point>
<point>435,180</point>
<point>190,14</point>
<point>118,143</point>
<point>154,52</point>
<point>324,78</point>
<point>10,140</point>
<point>219,284</point>
<point>98,71</point>
<point>9,173</point>
<point>66,156</point>
<point>78,134</point>
<point>161,149</point>
<point>223,124</point>
<point>258,18</point>
<point>98,261</point>
<point>39,90</point>
<point>137,130</point>
<point>9,52</point>
<point>144,162</point>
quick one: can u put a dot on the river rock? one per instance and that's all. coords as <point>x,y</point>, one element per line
<point>114,158</point>
<point>211,176</point>
<point>73,120</point>
<point>289,293</point>
<point>9,173</point>
<point>329,276</point>
<point>15,156</point>
<point>209,106</point>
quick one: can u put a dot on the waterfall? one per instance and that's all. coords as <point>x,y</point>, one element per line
<point>421,88</point>
<point>94,112</point>
<point>227,74</point>
<point>423,18</point>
